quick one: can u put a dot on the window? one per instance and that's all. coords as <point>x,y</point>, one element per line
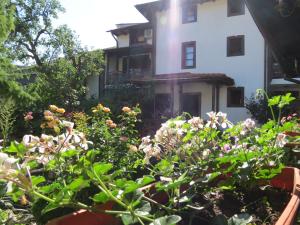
<point>236,45</point>
<point>235,8</point>
<point>189,14</point>
<point>235,97</point>
<point>188,55</point>
<point>163,105</point>
<point>191,103</point>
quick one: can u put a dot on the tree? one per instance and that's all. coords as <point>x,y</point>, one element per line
<point>61,63</point>
<point>33,34</point>
<point>9,87</point>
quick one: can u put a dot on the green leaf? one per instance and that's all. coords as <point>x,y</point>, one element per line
<point>37,180</point>
<point>50,188</point>
<point>69,153</point>
<point>274,101</point>
<point>78,184</point>
<point>130,186</point>
<point>14,147</point>
<point>220,220</point>
<point>101,168</point>
<point>145,180</point>
<point>144,209</point>
<point>240,219</point>
<point>101,198</point>
<point>50,207</point>
<point>128,219</point>
<point>166,220</point>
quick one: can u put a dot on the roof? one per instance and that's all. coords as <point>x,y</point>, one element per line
<point>148,9</point>
<point>124,28</point>
<point>281,30</point>
<point>214,78</point>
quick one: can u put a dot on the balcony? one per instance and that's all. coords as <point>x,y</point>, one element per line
<point>114,78</point>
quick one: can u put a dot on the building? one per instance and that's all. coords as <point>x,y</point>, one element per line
<point>199,55</point>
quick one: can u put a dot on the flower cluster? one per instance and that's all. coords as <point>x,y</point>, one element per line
<point>101,108</point>
<point>44,148</point>
<point>218,119</point>
<point>171,134</point>
<point>52,118</point>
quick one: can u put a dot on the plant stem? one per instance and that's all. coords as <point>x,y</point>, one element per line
<point>43,196</point>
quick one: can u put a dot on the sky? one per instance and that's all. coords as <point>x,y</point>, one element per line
<point>90,19</point>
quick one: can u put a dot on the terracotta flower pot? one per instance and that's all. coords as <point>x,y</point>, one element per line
<point>288,179</point>
<point>292,133</point>
<point>83,217</point>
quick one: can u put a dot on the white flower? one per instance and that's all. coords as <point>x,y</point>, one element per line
<point>179,123</point>
<point>30,141</point>
<point>7,162</point>
<point>223,120</point>
<point>205,153</point>
<point>67,124</point>
<point>249,124</point>
<point>281,140</point>
<point>196,123</point>
<point>146,140</point>
<point>213,120</point>
<point>44,159</point>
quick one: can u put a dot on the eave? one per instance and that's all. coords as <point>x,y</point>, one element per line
<point>282,33</point>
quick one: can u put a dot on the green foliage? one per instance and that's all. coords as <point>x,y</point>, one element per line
<point>7,118</point>
<point>184,158</point>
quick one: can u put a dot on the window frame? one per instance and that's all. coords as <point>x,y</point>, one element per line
<point>242,52</point>
<point>230,13</point>
<point>183,54</point>
<point>184,13</point>
<point>230,104</point>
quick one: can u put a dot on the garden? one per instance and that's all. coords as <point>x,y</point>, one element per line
<point>94,168</point>
<point>65,160</point>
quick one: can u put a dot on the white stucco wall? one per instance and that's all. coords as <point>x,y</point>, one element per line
<point>93,87</point>
<point>123,40</point>
<point>210,33</point>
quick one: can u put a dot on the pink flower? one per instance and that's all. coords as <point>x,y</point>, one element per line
<point>28,116</point>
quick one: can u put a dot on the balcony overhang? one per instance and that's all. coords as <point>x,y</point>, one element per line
<point>281,30</point>
<point>131,50</point>
<point>211,78</point>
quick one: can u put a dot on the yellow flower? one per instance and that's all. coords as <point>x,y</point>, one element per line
<point>49,118</point>
<point>47,113</point>
<point>23,200</point>
<point>53,108</point>
<point>61,110</point>
<point>126,109</point>
<point>100,106</point>
<point>106,110</point>
<point>95,111</point>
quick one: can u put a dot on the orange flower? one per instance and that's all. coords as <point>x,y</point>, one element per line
<point>113,125</point>
<point>126,109</point>
<point>106,110</point>
<point>109,122</point>
<point>61,110</point>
